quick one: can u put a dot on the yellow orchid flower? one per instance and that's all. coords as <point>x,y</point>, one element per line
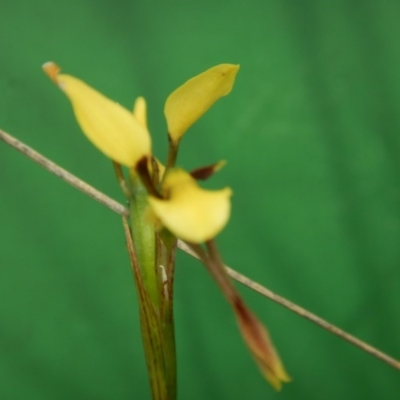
<point>109,126</point>
<point>172,199</point>
<point>190,212</point>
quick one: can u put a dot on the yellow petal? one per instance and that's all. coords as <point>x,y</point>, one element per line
<point>109,126</point>
<point>190,101</point>
<point>191,213</point>
<point>140,111</point>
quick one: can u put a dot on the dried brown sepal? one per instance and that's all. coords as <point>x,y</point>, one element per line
<point>204,173</point>
<point>254,333</point>
<point>257,339</point>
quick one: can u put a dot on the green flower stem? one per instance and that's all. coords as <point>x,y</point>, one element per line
<point>155,258</point>
<point>166,246</point>
<point>168,329</point>
<point>153,343</point>
<point>144,241</point>
<point>150,327</point>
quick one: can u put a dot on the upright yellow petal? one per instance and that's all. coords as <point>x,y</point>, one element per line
<point>140,111</point>
<point>190,212</point>
<point>190,101</point>
<point>109,126</point>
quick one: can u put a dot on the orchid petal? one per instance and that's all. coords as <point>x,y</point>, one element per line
<point>190,212</point>
<point>108,125</point>
<point>190,101</point>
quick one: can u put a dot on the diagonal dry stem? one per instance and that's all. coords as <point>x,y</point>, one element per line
<point>121,210</point>
<point>63,174</point>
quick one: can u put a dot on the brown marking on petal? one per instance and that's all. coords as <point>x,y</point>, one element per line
<point>155,176</point>
<point>142,168</point>
<point>52,70</point>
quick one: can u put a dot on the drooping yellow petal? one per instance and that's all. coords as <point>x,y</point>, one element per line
<point>190,101</point>
<point>109,126</point>
<point>190,212</point>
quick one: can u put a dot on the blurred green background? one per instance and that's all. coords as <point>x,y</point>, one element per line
<point>311,133</point>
